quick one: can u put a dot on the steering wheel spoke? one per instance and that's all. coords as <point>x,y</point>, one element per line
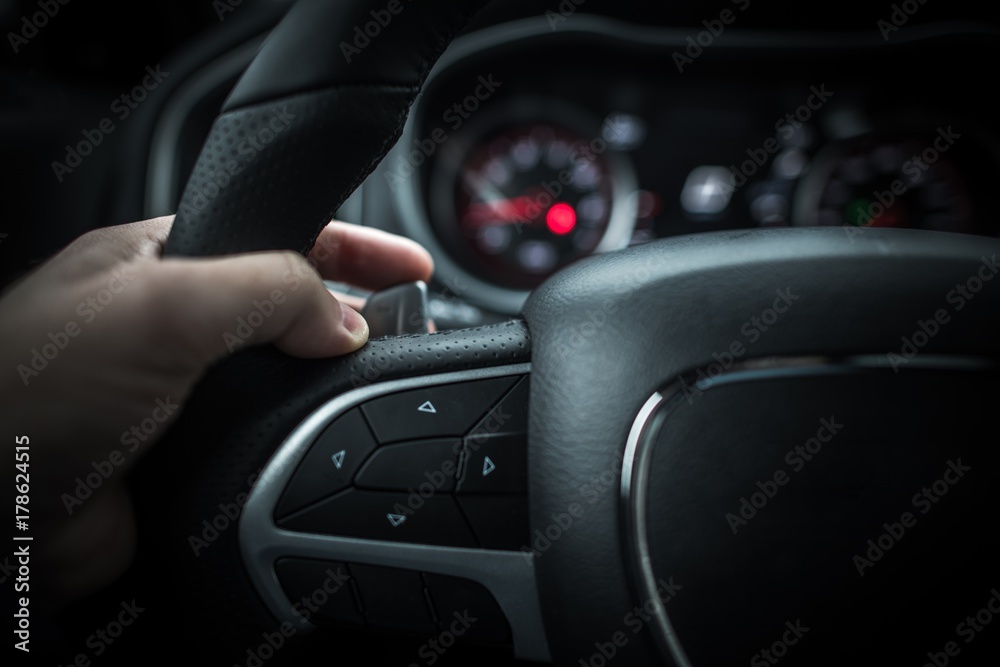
<point>405,517</point>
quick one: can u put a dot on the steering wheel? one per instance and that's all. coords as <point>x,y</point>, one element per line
<point>728,447</point>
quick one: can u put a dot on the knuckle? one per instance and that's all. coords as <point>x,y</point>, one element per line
<point>160,300</point>
<point>293,264</point>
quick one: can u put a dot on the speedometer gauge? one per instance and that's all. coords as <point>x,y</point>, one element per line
<point>528,199</point>
<point>919,179</point>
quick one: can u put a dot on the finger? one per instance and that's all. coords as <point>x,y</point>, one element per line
<point>355,302</point>
<point>99,249</point>
<point>369,258</point>
<point>125,242</point>
<point>216,306</point>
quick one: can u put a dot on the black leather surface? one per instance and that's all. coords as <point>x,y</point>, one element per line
<point>304,127</point>
<point>298,134</point>
<point>238,415</point>
<point>607,332</point>
<point>322,44</point>
<point>610,331</point>
<point>240,198</point>
<point>748,569</point>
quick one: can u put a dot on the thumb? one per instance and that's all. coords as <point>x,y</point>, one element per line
<point>216,306</point>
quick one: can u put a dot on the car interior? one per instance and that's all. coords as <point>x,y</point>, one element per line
<point>703,375</point>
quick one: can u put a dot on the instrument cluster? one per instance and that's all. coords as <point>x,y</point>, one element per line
<point>590,139</point>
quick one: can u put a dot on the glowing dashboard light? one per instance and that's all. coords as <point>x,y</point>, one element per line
<point>561,219</point>
<point>707,190</point>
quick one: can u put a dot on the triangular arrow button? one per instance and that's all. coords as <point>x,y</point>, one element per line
<point>428,407</point>
<point>488,466</point>
<point>338,458</point>
<point>395,519</point>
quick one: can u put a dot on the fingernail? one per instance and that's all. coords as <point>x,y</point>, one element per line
<point>354,323</point>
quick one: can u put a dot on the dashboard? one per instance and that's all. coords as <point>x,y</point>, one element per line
<point>537,143</point>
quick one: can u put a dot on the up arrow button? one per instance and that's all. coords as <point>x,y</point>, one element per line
<point>438,411</point>
<point>338,458</point>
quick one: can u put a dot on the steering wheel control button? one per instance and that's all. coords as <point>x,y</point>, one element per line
<point>443,410</point>
<point>496,464</point>
<point>394,599</point>
<point>427,466</point>
<point>331,463</point>
<point>379,515</point>
<point>500,522</point>
<point>323,586</point>
<point>456,601</point>
<point>510,415</point>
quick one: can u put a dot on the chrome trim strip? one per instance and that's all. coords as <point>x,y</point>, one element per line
<point>508,575</point>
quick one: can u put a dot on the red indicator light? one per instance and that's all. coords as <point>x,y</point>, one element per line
<point>561,219</point>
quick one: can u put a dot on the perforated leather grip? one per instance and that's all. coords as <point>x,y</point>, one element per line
<point>321,104</point>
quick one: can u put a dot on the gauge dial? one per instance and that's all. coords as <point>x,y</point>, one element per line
<point>528,200</point>
<point>884,180</point>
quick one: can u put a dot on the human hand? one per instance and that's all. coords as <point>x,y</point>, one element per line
<point>103,343</point>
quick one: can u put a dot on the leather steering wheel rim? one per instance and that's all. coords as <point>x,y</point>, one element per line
<point>607,333</point>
